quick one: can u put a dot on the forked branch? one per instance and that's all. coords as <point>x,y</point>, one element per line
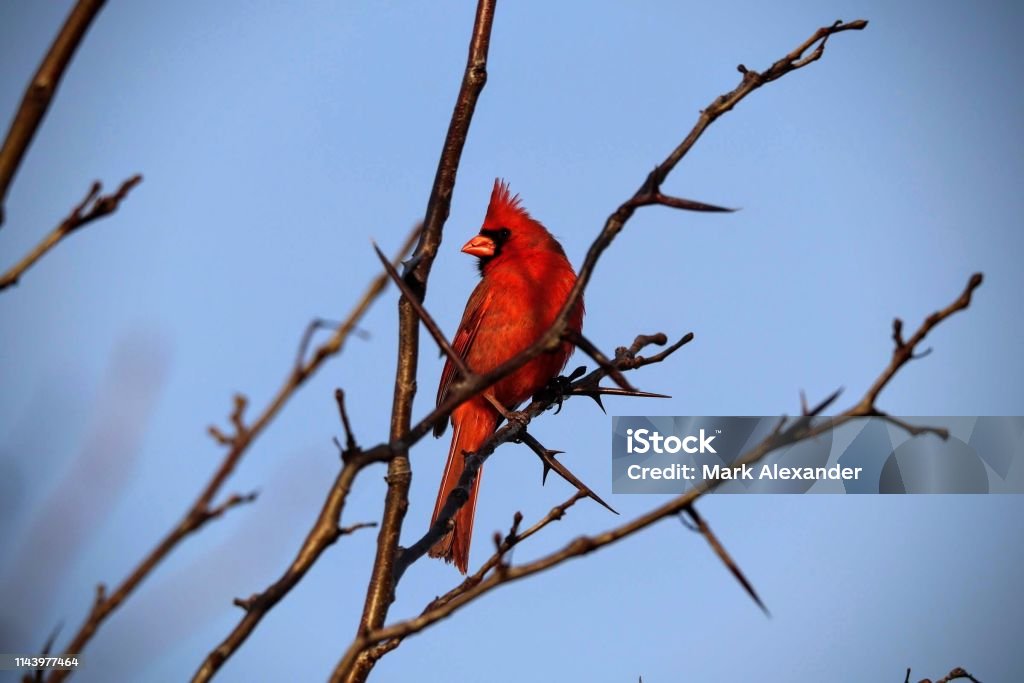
<point>356,663</point>
<point>787,433</point>
<point>204,508</point>
<point>92,208</point>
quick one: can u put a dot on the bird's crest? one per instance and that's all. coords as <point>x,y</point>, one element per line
<point>505,207</point>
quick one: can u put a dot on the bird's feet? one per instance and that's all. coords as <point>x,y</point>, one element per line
<point>558,388</point>
<point>519,417</point>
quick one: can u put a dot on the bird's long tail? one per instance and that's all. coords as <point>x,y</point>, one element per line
<point>471,429</point>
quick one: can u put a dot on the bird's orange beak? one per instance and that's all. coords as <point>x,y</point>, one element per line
<point>479,246</point>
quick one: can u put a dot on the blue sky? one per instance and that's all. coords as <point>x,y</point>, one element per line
<point>277,140</point>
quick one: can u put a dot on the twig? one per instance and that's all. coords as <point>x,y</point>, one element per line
<point>80,216</point>
<point>200,511</point>
<point>41,90</point>
<point>903,352</point>
<point>636,361</point>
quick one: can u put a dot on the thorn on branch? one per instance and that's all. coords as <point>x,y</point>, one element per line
<point>246,603</point>
<point>704,529</point>
<point>547,456</point>
<point>922,354</point>
<point>897,333</point>
<point>52,638</point>
<point>913,430</point>
<point>825,403</point>
<point>37,675</point>
<point>219,436</point>
<point>307,338</point>
<point>233,500</point>
<point>596,396</point>
<point>653,196</point>
<point>597,392</point>
<point>351,447</point>
<point>549,453</point>
<point>424,317</point>
<point>351,529</point>
<point>101,595</point>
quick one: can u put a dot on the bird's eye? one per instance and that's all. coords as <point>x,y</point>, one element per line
<point>504,234</point>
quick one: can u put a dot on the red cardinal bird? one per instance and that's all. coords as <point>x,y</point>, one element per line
<point>525,280</point>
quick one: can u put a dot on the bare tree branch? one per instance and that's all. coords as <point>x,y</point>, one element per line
<point>78,218</point>
<point>505,545</point>
<point>373,638</point>
<point>786,433</point>
<point>370,639</point>
<point>511,431</point>
<point>41,90</point>
<point>354,665</point>
<point>558,330</point>
<point>616,222</point>
<point>326,530</point>
<point>204,509</point>
<point>380,590</point>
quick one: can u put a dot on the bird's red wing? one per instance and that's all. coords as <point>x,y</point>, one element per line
<point>471,320</point>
